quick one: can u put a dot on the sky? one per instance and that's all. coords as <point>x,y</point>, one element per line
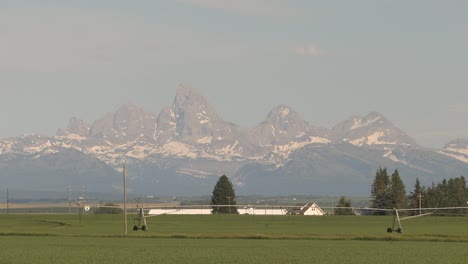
<point>328,60</point>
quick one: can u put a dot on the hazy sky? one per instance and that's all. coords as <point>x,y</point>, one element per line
<point>328,60</point>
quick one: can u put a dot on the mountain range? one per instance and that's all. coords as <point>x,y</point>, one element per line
<point>184,149</point>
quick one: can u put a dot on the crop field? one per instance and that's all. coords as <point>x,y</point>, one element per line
<point>61,238</point>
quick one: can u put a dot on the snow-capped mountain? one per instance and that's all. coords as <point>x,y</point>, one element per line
<point>457,149</point>
<point>187,146</point>
<point>191,123</point>
<point>283,132</point>
<point>75,126</point>
<point>372,130</point>
<point>284,125</point>
<point>129,123</point>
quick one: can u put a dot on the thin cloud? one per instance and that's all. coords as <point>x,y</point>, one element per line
<point>245,7</point>
<point>81,40</point>
<point>309,51</point>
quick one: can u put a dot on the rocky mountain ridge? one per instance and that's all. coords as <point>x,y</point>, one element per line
<point>188,142</point>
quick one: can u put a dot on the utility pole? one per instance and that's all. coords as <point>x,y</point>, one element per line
<point>7,201</point>
<point>419,196</point>
<point>333,205</point>
<point>81,200</point>
<point>125,200</point>
<point>229,202</point>
<point>69,198</point>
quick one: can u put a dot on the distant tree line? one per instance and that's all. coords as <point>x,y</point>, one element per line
<point>448,193</point>
<point>389,192</point>
<point>109,208</point>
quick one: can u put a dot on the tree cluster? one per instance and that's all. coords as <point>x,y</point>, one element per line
<point>340,210</point>
<point>388,192</point>
<point>448,193</point>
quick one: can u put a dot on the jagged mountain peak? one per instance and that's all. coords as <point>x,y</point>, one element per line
<point>192,121</point>
<point>129,112</point>
<point>185,91</point>
<point>189,145</point>
<point>357,122</point>
<point>129,122</point>
<point>281,124</point>
<point>189,103</point>
<point>130,107</point>
<point>282,114</point>
<point>458,143</point>
<point>75,126</point>
<point>190,115</point>
<point>457,149</point>
<point>373,129</point>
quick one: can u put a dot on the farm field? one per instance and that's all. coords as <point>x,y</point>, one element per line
<point>60,238</point>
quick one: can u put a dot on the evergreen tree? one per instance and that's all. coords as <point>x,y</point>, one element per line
<point>380,193</point>
<point>413,198</point>
<point>223,194</point>
<point>457,190</point>
<point>398,192</point>
<point>343,202</point>
<point>443,194</point>
<point>431,199</point>
<point>451,193</point>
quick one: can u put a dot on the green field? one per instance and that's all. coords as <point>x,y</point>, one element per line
<point>36,238</point>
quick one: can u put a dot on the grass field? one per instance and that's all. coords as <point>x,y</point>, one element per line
<point>53,238</point>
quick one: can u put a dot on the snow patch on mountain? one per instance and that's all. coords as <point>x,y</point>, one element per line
<point>389,154</point>
<point>457,149</point>
<point>373,139</point>
<point>195,173</point>
<point>281,153</point>
<point>72,136</point>
<point>284,151</point>
<point>205,140</point>
<point>140,152</point>
<point>300,134</point>
<point>459,154</point>
<point>359,123</point>
<point>203,117</point>
<point>49,151</point>
<point>36,147</point>
<point>179,149</point>
<point>463,158</point>
<point>319,140</point>
<point>5,147</point>
<point>230,150</point>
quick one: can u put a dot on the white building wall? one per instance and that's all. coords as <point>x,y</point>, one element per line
<point>314,209</point>
<point>262,211</point>
<point>175,211</point>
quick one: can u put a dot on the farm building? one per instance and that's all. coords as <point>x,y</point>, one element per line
<point>180,211</point>
<point>251,210</point>
<point>308,209</point>
<point>313,209</point>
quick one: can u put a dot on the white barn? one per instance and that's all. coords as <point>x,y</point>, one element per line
<point>313,209</point>
<point>179,211</point>
<point>251,210</point>
<point>308,209</point>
